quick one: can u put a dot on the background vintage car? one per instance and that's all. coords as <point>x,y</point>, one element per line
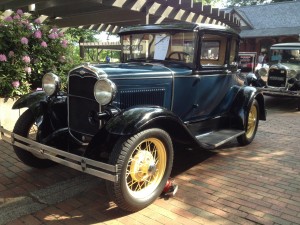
<point>177,84</point>
<point>281,77</point>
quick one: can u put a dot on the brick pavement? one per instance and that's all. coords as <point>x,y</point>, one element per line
<point>256,184</point>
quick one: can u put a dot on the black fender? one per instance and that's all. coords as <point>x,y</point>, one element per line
<point>134,120</point>
<point>34,101</point>
<point>50,113</point>
<point>242,103</point>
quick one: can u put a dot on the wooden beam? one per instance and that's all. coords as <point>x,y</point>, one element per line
<point>108,16</point>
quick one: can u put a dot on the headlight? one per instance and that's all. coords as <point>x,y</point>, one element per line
<point>291,73</point>
<point>104,91</point>
<point>51,83</point>
<point>263,72</point>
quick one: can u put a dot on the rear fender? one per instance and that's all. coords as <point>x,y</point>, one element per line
<point>242,104</point>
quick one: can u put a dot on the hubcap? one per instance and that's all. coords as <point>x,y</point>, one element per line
<point>252,120</point>
<point>146,167</point>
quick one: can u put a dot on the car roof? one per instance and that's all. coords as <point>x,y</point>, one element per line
<point>175,27</point>
<point>290,45</point>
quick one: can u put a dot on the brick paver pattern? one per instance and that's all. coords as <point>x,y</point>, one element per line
<point>255,184</point>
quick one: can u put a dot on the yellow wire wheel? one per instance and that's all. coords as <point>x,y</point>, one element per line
<point>146,167</point>
<point>144,163</point>
<point>252,121</point>
<point>251,124</point>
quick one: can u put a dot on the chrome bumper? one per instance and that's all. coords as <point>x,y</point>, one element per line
<point>280,92</point>
<point>98,169</point>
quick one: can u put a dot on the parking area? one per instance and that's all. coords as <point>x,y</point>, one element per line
<point>256,184</point>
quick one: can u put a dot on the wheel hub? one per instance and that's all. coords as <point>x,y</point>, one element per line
<point>142,166</point>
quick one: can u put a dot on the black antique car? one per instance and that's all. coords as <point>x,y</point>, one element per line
<point>281,78</point>
<point>177,84</point>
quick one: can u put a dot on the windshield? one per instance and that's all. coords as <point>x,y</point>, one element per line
<point>285,55</point>
<point>177,47</point>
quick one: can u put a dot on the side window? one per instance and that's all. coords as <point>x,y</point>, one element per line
<point>233,51</point>
<point>213,49</point>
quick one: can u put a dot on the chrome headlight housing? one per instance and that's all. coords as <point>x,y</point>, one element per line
<point>263,72</point>
<point>104,91</point>
<point>291,73</point>
<point>51,83</point>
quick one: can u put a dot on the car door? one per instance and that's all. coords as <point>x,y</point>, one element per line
<point>200,95</point>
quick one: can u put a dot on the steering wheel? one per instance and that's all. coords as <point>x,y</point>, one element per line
<point>180,56</point>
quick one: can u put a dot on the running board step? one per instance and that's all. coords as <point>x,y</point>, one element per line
<point>216,138</point>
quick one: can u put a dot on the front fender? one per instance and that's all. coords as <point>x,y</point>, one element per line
<point>33,101</point>
<point>51,113</point>
<point>134,120</point>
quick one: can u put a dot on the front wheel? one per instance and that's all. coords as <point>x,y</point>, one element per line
<point>251,125</point>
<point>26,127</point>
<point>144,165</point>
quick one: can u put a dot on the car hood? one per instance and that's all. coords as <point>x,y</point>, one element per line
<point>137,70</point>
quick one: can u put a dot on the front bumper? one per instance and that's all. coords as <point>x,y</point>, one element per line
<point>96,168</point>
<point>280,92</point>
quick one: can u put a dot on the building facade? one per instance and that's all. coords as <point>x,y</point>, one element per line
<point>265,25</point>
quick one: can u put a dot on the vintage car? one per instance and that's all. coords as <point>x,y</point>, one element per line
<point>177,85</point>
<point>282,76</point>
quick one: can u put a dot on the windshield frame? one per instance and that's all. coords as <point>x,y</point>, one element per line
<point>285,55</point>
<point>157,46</point>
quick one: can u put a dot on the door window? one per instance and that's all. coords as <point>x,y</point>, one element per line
<point>213,49</point>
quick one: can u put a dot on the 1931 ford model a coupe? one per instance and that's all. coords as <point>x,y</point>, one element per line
<point>281,78</point>
<point>177,84</point>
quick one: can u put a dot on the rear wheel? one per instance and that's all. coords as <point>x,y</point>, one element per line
<point>26,127</point>
<point>144,164</point>
<point>251,125</point>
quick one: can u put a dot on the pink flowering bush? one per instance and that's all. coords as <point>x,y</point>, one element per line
<point>28,49</point>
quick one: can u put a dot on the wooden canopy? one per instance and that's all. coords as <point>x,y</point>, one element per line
<point>111,15</point>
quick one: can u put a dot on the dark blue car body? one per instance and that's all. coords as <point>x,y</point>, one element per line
<point>193,94</point>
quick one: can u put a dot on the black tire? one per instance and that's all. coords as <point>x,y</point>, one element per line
<point>147,159</point>
<point>22,127</point>
<point>251,125</point>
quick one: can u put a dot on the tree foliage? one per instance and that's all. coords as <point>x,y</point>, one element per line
<point>251,2</point>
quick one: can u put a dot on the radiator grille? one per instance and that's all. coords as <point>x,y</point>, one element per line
<point>154,96</point>
<point>277,78</point>
<point>81,104</point>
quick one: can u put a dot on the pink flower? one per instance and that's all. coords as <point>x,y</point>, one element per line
<point>24,40</point>
<point>60,34</point>
<point>17,17</point>
<point>15,84</point>
<point>8,19</point>
<point>29,27</point>
<point>26,59</point>
<point>38,34</point>
<point>20,12</point>
<point>37,21</point>
<point>52,36</point>
<point>64,43</point>
<point>11,54</point>
<point>54,30</point>
<point>44,44</point>
<point>27,69</point>
<point>3,58</point>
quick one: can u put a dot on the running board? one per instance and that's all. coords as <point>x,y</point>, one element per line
<point>216,138</point>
